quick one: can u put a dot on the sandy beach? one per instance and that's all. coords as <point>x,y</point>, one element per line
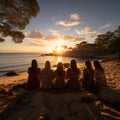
<point>22,104</point>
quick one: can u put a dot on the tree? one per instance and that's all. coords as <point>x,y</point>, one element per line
<point>114,44</point>
<point>81,45</point>
<point>14,16</point>
<point>103,39</point>
<point>117,32</point>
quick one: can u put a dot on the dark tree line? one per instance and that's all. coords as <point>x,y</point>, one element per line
<point>104,44</point>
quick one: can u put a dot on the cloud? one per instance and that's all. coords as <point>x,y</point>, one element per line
<point>85,31</point>
<point>34,34</point>
<point>105,26</point>
<point>66,29</point>
<point>40,36</point>
<point>68,23</point>
<point>54,32</point>
<point>72,39</point>
<point>50,38</point>
<point>75,17</point>
<point>32,44</point>
<point>74,20</point>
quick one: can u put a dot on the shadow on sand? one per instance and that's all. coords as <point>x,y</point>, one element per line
<point>62,105</point>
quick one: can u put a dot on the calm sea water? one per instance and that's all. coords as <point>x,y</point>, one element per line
<point>20,62</point>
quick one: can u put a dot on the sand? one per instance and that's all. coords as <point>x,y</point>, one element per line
<point>23,104</point>
<point>13,79</point>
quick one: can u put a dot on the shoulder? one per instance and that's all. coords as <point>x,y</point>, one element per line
<point>29,69</point>
<point>69,69</point>
<point>55,71</point>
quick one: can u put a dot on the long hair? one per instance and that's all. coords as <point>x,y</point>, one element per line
<point>73,65</point>
<point>88,65</point>
<point>34,65</point>
<point>60,68</point>
<point>98,66</point>
<point>47,65</point>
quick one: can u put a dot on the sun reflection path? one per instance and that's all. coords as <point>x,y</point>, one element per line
<point>59,59</point>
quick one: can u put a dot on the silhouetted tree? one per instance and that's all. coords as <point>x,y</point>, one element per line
<point>114,45</point>
<point>14,16</point>
<point>103,39</point>
<point>116,33</point>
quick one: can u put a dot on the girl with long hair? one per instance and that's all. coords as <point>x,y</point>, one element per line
<point>73,76</point>
<point>99,75</point>
<point>47,76</point>
<point>59,76</point>
<point>88,76</point>
<point>34,75</point>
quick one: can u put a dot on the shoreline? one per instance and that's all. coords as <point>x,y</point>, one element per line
<point>13,80</point>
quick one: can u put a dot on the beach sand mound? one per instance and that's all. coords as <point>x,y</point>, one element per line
<point>53,105</point>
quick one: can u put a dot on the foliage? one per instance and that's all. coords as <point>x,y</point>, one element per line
<point>14,16</point>
<point>106,43</point>
<point>103,39</point>
<point>114,44</point>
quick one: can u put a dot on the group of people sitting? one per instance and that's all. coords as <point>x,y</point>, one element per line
<point>72,78</point>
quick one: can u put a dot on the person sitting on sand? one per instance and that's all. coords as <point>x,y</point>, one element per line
<point>34,75</point>
<point>59,77</point>
<point>73,75</point>
<point>47,76</point>
<point>88,76</point>
<point>99,75</point>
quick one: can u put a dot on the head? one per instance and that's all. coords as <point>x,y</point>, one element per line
<point>88,64</point>
<point>47,65</point>
<point>34,63</point>
<point>73,64</point>
<point>97,65</point>
<point>59,66</point>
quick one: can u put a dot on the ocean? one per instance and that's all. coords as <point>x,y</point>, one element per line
<point>19,62</point>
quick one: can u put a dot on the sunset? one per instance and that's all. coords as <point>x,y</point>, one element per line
<point>78,22</point>
<point>59,60</point>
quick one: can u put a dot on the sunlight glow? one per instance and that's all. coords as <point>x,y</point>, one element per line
<point>59,59</point>
<point>58,47</point>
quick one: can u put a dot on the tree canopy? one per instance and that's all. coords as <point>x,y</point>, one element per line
<point>14,16</point>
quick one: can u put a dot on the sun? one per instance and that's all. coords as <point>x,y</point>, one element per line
<point>58,47</point>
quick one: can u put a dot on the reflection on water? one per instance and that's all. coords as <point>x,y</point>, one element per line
<point>20,62</point>
<point>59,59</point>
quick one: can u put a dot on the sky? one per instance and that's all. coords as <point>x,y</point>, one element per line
<point>66,23</point>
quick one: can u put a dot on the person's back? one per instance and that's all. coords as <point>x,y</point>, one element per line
<point>47,76</point>
<point>34,75</point>
<point>88,76</point>
<point>100,78</point>
<point>73,74</point>
<point>99,75</point>
<point>59,76</point>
